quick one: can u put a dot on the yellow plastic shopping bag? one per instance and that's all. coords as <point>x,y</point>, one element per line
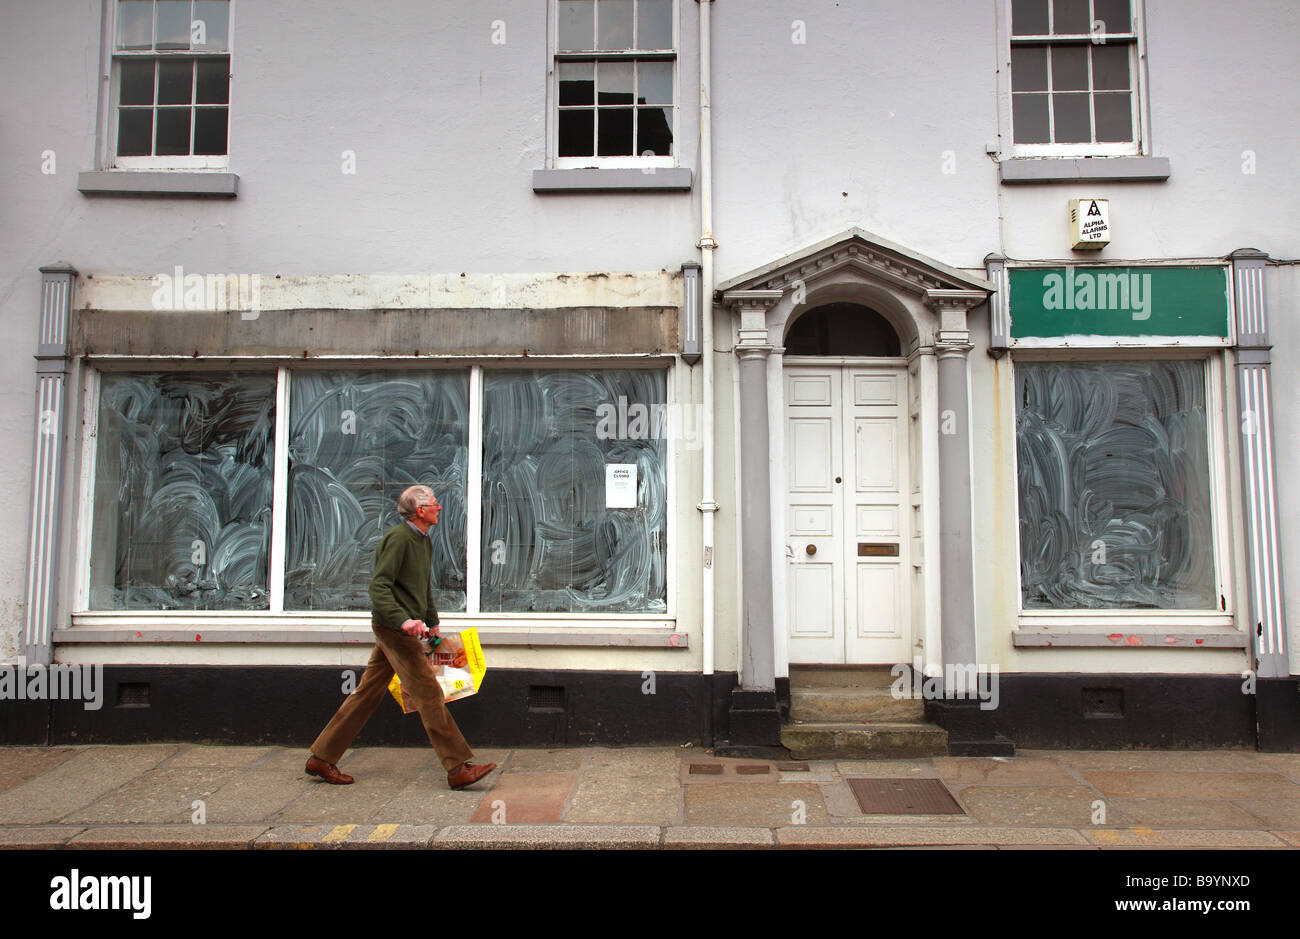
<point>456,683</point>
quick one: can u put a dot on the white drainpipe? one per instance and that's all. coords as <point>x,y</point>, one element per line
<point>706,245</point>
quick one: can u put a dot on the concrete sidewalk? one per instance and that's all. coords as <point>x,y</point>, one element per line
<point>183,795</point>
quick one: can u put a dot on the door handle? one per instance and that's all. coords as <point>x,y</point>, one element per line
<point>810,550</point>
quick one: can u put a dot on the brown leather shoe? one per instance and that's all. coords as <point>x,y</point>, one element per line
<point>328,772</point>
<point>467,774</point>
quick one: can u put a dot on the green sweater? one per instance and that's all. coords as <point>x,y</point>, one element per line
<point>400,587</point>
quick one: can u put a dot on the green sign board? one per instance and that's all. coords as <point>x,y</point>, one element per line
<point>1049,302</point>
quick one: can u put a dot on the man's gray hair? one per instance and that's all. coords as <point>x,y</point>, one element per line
<point>412,498</point>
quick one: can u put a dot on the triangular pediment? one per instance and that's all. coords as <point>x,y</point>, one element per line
<point>864,252</point>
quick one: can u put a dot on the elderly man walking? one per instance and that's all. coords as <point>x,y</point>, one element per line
<point>403,611</point>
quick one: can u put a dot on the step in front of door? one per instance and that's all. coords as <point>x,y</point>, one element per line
<point>814,740</point>
<point>853,705</point>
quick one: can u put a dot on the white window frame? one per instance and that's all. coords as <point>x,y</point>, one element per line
<point>1135,39</point>
<point>174,162</point>
<point>554,57</point>
<point>84,614</point>
<point>1143,620</point>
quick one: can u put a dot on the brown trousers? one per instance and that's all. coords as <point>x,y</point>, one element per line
<point>401,653</point>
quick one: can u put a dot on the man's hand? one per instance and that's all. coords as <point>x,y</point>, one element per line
<point>414,627</point>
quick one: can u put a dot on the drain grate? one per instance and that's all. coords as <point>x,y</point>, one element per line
<point>903,797</point>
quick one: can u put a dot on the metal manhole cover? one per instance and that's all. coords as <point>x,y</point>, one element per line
<point>903,797</point>
<point>752,769</point>
<point>706,769</point>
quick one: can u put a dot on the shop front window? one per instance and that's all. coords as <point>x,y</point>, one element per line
<point>1114,486</point>
<point>183,482</point>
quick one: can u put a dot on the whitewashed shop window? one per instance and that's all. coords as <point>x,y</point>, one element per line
<point>356,440</point>
<point>573,487</point>
<point>182,497</point>
<point>557,536</point>
<point>170,84</point>
<point>614,86</point>
<point>1116,503</point>
<point>1075,66</point>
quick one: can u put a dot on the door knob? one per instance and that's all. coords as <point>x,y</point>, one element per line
<point>837,479</point>
<point>811,550</point>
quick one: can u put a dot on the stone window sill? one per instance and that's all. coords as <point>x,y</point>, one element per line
<point>656,179</point>
<point>161,183</point>
<point>1129,639</point>
<point>1024,170</point>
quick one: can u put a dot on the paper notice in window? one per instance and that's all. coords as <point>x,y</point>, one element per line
<point>620,485</point>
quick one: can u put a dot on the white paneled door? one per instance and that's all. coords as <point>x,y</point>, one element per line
<point>846,514</point>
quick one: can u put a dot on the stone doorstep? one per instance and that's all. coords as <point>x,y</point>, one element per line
<point>834,740</point>
<point>812,705</point>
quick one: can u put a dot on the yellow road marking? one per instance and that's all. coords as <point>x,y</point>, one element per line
<point>339,833</point>
<point>381,833</point>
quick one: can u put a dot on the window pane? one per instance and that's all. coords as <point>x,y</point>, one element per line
<point>1114,486</point>
<point>1029,17</point>
<point>173,132</point>
<point>174,80</point>
<point>577,133</point>
<point>1114,14</point>
<point>135,24</point>
<point>1029,117</point>
<point>183,492</point>
<point>173,24</point>
<point>1073,122</point>
<point>614,24</point>
<point>614,82</point>
<point>210,126</point>
<point>137,83</point>
<point>654,83</point>
<point>1114,118</point>
<point>215,16</point>
<point>577,83</point>
<point>1070,16</point>
<point>135,132</point>
<point>654,24</point>
<point>614,136</point>
<point>654,131</point>
<point>577,25</point>
<point>1110,67</point>
<point>551,542</point>
<point>356,440</point>
<point>213,81</point>
<point>1029,68</point>
<point>1069,68</point>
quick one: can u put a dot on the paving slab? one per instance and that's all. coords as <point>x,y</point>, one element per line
<point>1220,785</point>
<point>1274,813</point>
<point>19,764</point>
<point>1000,771</point>
<point>167,836</point>
<point>293,758</point>
<point>754,805</point>
<point>37,836</point>
<point>195,755</point>
<point>885,835</point>
<point>1187,761</point>
<point>546,761</point>
<point>1070,806</point>
<point>1185,813</point>
<point>1288,764</point>
<point>888,769</point>
<point>1290,837</point>
<point>1141,836</point>
<point>322,803</point>
<point>620,800</point>
<point>159,797</point>
<point>78,781</point>
<point>633,761</point>
<point>461,837</point>
<point>701,836</point>
<point>256,795</point>
<point>525,798</point>
<point>428,800</point>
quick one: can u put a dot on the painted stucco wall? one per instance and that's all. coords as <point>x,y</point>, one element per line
<point>879,118</point>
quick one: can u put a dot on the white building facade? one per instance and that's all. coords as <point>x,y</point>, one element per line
<point>731,338</point>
